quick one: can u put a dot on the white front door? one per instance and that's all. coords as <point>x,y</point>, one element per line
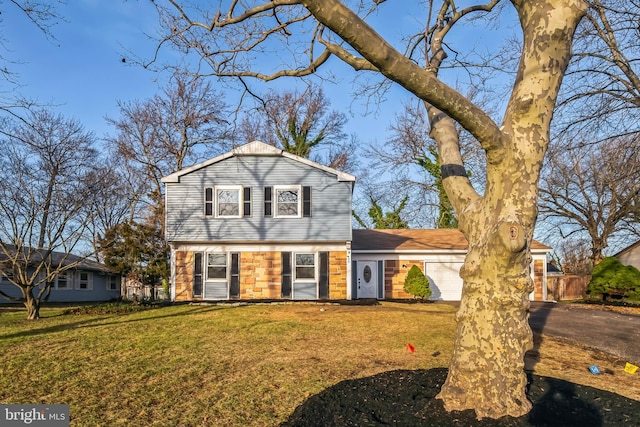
<point>367,279</point>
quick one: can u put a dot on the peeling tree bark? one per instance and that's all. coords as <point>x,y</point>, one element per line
<point>487,369</point>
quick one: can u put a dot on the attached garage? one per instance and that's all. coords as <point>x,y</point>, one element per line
<point>444,279</point>
<point>439,253</point>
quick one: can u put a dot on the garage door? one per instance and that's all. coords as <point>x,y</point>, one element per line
<point>444,279</point>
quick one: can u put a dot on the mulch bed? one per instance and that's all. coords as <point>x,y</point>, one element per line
<point>407,398</point>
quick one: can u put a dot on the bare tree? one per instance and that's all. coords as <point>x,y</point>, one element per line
<point>600,98</point>
<point>411,155</point>
<point>161,135</point>
<point>112,202</point>
<point>486,372</point>
<point>44,188</point>
<point>591,190</point>
<point>301,123</point>
<point>574,256</point>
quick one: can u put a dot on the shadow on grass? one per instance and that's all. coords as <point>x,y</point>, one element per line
<point>99,320</point>
<point>408,398</point>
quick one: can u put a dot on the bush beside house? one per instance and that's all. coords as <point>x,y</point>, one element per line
<point>417,284</point>
<point>610,277</point>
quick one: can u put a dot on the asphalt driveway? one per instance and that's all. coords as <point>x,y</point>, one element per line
<point>605,330</point>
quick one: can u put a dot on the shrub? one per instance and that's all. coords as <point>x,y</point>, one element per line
<point>416,283</point>
<point>611,275</point>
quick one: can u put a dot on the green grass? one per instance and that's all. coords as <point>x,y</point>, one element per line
<point>210,365</point>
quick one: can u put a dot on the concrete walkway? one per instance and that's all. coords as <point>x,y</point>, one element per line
<point>605,330</point>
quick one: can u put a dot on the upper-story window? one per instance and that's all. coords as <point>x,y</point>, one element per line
<point>227,201</point>
<point>293,201</point>
<point>287,201</point>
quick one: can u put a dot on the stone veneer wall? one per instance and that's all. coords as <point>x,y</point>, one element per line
<point>260,275</point>
<point>394,275</point>
<point>184,276</point>
<point>337,275</point>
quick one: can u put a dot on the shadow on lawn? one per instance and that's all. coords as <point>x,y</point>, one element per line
<point>408,398</point>
<point>99,320</point>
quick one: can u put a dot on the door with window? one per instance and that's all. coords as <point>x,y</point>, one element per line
<point>367,279</point>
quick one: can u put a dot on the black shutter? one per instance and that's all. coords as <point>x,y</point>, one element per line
<point>286,275</point>
<point>267,201</point>
<point>197,275</point>
<point>208,201</point>
<point>246,211</point>
<point>323,288</point>
<point>306,201</point>
<point>234,287</point>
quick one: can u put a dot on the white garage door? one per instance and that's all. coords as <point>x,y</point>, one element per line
<point>444,279</point>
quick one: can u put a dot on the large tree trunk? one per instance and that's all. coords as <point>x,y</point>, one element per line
<point>487,369</point>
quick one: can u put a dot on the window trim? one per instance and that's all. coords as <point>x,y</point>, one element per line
<point>226,268</point>
<point>240,203</point>
<point>295,268</point>
<point>212,204</point>
<point>275,203</point>
<point>79,282</point>
<point>113,279</point>
<point>69,279</point>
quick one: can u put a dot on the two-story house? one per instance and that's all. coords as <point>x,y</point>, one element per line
<point>261,223</point>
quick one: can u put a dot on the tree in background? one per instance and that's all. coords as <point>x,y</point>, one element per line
<point>416,283</point>
<point>600,98</point>
<point>574,256</point>
<point>384,220</point>
<point>111,204</point>
<point>138,252</point>
<point>154,138</point>
<point>592,190</point>
<point>163,134</point>
<point>410,145</point>
<point>486,372</point>
<point>45,188</point>
<point>302,124</point>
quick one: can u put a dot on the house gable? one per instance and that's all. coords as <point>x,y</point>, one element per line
<point>257,192</point>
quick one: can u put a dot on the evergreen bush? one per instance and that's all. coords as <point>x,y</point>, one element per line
<point>416,283</point>
<point>610,275</point>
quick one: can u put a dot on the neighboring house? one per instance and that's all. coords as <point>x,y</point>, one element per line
<point>134,290</point>
<point>630,255</point>
<point>88,281</point>
<point>261,223</point>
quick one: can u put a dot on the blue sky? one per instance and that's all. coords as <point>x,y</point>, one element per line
<point>81,72</point>
<point>82,75</point>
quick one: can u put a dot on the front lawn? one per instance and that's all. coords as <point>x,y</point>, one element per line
<point>234,365</point>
